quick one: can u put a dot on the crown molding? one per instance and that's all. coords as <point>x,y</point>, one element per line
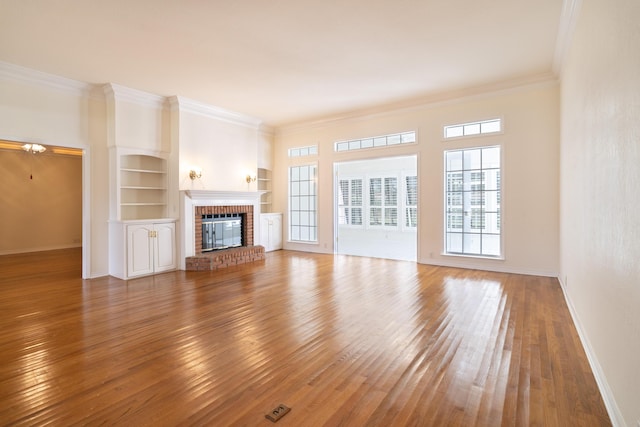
<point>179,103</point>
<point>266,129</point>
<point>135,96</point>
<point>568,19</point>
<point>38,78</point>
<point>435,100</point>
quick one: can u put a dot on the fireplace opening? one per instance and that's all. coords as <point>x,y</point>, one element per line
<point>222,231</point>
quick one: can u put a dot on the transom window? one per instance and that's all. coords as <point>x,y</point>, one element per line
<point>377,141</point>
<point>472,202</point>
<point>474,128</point>
<point>311,150</point>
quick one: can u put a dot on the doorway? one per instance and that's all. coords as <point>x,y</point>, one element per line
<point>376,208</point>
<point>43,198</point>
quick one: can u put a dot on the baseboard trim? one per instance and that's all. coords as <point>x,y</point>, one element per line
<point>607,395</point>
<point>488,267</point>
<point>40,249</point>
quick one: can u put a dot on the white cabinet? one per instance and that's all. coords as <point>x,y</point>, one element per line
<point>271,231</point>
<point>142,247</point>
<point>150,248</point>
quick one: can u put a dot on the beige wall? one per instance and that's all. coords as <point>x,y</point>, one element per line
<point>600,203</point>
<point>530,145</point>
<point>43,212</point>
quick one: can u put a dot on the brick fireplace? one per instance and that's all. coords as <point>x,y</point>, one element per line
<point>198,203</point>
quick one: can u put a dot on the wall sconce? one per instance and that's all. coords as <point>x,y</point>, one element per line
<point>250,179</point>
<point>195,173</point>
<point>34,148</point>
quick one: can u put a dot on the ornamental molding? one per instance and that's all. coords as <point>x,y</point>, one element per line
<point>45,80</point>
<point>135,96</point>
<point>186,105</point>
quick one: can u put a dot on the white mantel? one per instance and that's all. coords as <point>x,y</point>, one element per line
<point>222,198</point>
<point>192,198</point>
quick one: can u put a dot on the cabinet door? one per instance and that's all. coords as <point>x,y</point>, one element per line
<point>264,232</point>
<point>275,232</point>
<point>164,250</point>
<point>271,231</point>
<point>139,250</point>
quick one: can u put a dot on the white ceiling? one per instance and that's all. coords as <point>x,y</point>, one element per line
<point>285,61</point>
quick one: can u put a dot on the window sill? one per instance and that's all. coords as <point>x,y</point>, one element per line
<point>302,242</point>
<point>495,258</point>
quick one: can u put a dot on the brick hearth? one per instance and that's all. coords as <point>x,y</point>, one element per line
<point>224,258</point>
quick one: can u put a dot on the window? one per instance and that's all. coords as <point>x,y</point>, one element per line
<point>475,128</point>
<point>311,150</point>
<point>302,203</point>
<point>411,202</point>
<point>372,202</point>
<point>350,202</point>
<point>378,141</point>
<point>472,201</point>
<point>383,201</point>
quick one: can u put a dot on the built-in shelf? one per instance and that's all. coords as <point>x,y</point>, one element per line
<point>128,187</point>
<point>141,170</point>
<point>264,185</point>
<point>143,187</point>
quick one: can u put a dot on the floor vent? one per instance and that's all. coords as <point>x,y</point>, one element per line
<point>279,412</point>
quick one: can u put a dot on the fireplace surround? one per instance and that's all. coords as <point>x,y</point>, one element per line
<point>198,203</point>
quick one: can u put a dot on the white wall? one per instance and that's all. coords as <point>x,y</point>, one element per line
<point>37,107</point>
<point>41,114</point>
<point>530,147</point>
<point>226,152</point>
<point>265,149</point>
<point>600,203</point>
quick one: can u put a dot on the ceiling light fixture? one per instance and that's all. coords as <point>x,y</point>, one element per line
<point>34,148</point>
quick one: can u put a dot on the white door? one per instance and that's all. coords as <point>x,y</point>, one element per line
<point>139,250</point>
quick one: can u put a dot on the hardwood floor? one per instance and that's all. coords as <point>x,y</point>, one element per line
<point>343,341</point>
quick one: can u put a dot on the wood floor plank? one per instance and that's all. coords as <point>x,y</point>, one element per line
<point>343,341</point>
